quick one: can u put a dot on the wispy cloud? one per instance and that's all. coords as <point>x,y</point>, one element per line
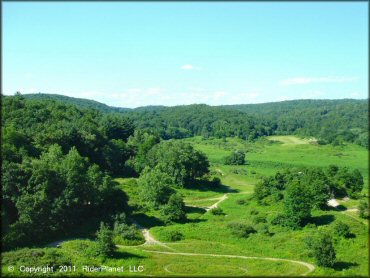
<point>309,80</point>
<point>189,67</point>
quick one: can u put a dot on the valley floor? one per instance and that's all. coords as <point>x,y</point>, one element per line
<point>209,249</point>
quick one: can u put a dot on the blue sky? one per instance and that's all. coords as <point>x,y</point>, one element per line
<point>136,54</point>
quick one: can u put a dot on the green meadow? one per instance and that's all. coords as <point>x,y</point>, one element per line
<point>208,247</point>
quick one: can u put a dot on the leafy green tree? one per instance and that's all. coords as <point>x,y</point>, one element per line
<point>297,204</point>
<point>174,210</point>
<point>235,158</point>
<point>342,230</point>
<point>155,186</point>
<point>115,126</point>
<point>104,240</point>
<point>322,248</point>
<point>179,160</point>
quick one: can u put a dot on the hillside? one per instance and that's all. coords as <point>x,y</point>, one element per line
<point>330,121</point>
<point>80,102</point>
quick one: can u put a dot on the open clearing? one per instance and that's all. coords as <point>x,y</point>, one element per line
<point>209,249</point>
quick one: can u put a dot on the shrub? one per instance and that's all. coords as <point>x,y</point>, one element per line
<point>259,219</point>
<point>263,229</point>
<point>174,210</point>
<point>127,235</point>
<point>174,236</point>
<point>105,245</point>
<point>217,211</point>
<point>342,230</point>
<point>322,248</point>
<point>240,201</point>
<point>241,229</point>
<point>253,211</point>
<point>235,158</point>
<point>279,220</point>
<point>363,209</point>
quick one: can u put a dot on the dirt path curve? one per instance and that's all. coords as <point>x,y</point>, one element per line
<point>223,198</point>
<point>334,203</point>
<point>149,239</point>
<point>309,266</point>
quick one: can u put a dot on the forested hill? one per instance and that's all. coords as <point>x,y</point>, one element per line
<point>331,121</point>
<point>80,102</point>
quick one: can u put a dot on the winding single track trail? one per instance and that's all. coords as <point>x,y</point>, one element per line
<point>309,266</point>
<point>149,240</point>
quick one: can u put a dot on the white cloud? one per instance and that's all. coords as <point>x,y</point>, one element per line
<point>189,67</point>
<point>308,80</point>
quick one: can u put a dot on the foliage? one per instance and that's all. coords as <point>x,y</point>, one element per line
<point>235,158</point>
<point>342,230</point>
<point>241,229</point>
<point>363,209</point>
<point>297,204</point>
<point>173,235</point>
<point>124,234</point>
<point>155,186</point>
<point>321,247</point>
<point>217,211</point>
<point>53,194</point>
<point>174,210</point>
<point>179,160</point>
<point>104,238</point>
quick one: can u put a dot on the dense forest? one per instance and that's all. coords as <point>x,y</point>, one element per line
<point>59,157</point>
<point>58,161</point>
<point>330,121</point>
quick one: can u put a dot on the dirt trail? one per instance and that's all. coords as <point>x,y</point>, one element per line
<point>309,266</point>
<point>149,240</point>
<point>223,198</point>
<point>334,203</point>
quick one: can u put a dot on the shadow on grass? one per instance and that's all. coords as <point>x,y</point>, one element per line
<point>147,221</point>
<point>204,185</point>
<point>343,265</point>
<point>125,255</point>
<point>194,210</point>
<point>322,219</point>
<point>338,208</point>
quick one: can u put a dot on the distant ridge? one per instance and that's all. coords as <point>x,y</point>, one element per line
<point>80,102</point>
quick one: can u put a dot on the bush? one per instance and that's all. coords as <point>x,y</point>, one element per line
<point>363,209</point>
<point>36,256</point>
<point>235,158</point>
<point>240,202</point>
<point>322,248</point>
<point>127,235</point>
<point>241,229</point>
<point>259,219</point>
<point>279,220</point>
<point>174,236</point>
<point>174,210</point>
<point>342,230</point>
<point>105,245</point>
<point>253,211</point>
<point>263,229</point>
<point>217,211</point>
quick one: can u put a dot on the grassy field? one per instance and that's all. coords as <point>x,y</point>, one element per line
<point>209,248</point>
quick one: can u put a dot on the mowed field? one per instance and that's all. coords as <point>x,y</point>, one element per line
<point>208,247</point>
